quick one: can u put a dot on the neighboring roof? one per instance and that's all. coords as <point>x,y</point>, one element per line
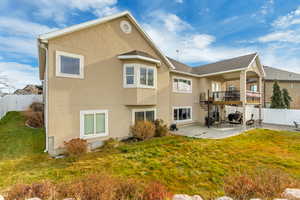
<point>232,64</point>
<point>45,37</point>
<point>280,75</point>
<point>229,65</point>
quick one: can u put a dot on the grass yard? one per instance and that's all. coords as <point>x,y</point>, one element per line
<point>184,165</point>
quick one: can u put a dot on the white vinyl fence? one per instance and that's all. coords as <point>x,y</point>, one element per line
<point>270,116</point>
<point>17,103</point>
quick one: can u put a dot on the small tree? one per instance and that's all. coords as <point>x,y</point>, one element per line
<point>276,99</point>
<point>287,99</point>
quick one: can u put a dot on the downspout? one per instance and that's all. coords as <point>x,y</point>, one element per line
<point>46,94</point>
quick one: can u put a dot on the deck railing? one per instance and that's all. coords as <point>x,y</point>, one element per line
<point>230,96</point>
<point>226,96</point>
<point>253,97</point>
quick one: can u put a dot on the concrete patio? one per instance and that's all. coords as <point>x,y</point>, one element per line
<point>200,131</point>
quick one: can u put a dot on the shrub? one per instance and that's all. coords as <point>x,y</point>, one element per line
<point>37,107</point>
<point>156,191</point>
<point>129,190</point>
<point>143,130</point>
<point>76,147</point>
<point>43,190</point>
<point>35,115</point>
<point>89,188</point>
<point>34,119</point>
<point>161,129</point>
<point>264,184</point>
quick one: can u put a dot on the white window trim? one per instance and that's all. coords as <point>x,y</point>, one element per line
<point>142,110</point>
<point>182,107</point>
<point>58,65</point>
<point>182,91</point>
<point>84,112</point>
<point>136,81</point>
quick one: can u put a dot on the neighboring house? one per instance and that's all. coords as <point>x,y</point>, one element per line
<point>30,89</point>
<point>285,79</point>
<point>102,76</point>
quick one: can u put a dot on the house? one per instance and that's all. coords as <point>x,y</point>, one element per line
<point>102,76</point>
<point>30,89</point>
<point>285,79</point>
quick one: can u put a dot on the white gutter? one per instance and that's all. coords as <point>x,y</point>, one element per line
<point>211,74</point>
<point>45,93</point>
<point>125,57</point>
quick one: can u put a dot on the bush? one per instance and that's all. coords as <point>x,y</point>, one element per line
<point>43,190</point>
<point>143,130</point>
<point>76,147</point>
<point>93,187</point>
<point>161,129</point>
<point>89,188</point>
<point>156,191</point>
<point>37,107</point>
<point>264,184</point>
<point>34,119</point>
<point>35,115</point>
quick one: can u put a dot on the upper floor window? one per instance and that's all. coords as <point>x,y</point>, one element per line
<point>139,76</point>
<point>182,85</point>
<point>216,87</point>
<point>232,88</point>
<point>253,88</point>
<point>69,65</point>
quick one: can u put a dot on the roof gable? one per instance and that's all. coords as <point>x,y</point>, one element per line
<point>69,30</point>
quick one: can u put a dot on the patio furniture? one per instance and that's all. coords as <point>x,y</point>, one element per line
<point>297,126</point>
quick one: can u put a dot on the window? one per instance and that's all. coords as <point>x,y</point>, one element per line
<point>182,85</point>
<point>232,88</point>
<point>253,88</point>
<point>93,123</point>
<point>139,76</point>
<point>216,87</point>
<point>69,65</point>
<point>182,114</point>
<point>143,115</point>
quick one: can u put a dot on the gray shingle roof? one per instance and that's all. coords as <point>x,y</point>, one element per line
<point>225,65</point>
<point>221,66</point>
<point>280,75</point>
<point>137,53</point>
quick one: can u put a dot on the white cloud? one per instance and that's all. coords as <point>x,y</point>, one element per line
<point>18,75</point>
<point>16,45</point>
<point>281,36</point>
<point>193,46</point>
<point>290,19</point>
<point>179,1</point>
<point>21,27</point>
<point>59,9</point>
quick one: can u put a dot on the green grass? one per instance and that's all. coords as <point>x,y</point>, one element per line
<point>185,165</point>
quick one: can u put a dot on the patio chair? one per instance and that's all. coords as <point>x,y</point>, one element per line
<point>297,126</point>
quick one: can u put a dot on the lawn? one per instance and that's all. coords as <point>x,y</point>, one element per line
<point>184,165</point>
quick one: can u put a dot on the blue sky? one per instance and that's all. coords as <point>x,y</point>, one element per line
<point>202,30</point>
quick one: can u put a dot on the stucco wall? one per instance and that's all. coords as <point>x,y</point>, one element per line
<point>102,86</point>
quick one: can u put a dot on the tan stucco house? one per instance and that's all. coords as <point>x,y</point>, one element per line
<point>102,76</point>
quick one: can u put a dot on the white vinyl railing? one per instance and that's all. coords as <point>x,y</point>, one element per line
<point>17,103</point>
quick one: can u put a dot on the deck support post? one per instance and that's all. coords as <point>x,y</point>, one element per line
<point>243,90</point>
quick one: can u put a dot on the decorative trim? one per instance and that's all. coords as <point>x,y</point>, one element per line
<point>84,112</point>
<point>58,65</point>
